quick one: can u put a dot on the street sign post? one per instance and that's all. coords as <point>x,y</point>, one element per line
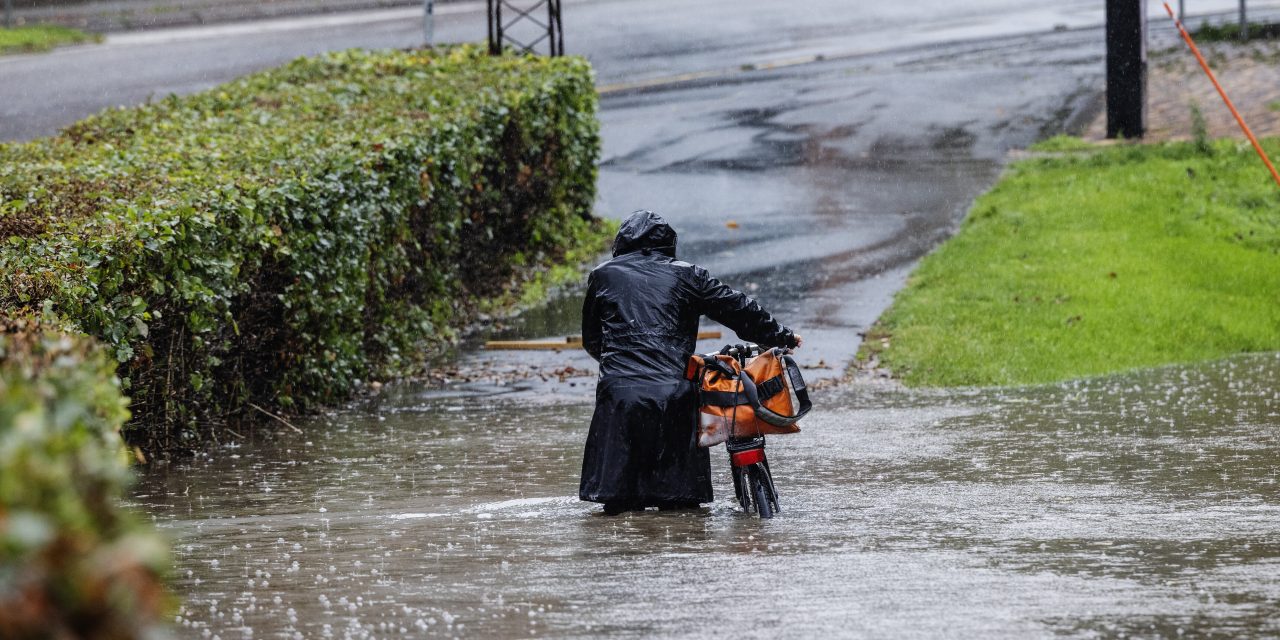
<point>1126,68</point>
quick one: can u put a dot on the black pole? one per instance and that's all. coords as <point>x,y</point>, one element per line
<point>1126,68</point>
<point>489,4</point>
<point>497,27</point>
<point>551,27</point>
<point>559,30</point>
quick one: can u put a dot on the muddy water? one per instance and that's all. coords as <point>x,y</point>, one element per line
<point>1142,505</point>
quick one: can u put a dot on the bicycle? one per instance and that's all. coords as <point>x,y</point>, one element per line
<point>739,411</point>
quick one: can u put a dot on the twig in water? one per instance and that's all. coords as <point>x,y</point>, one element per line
<point>282,420</point>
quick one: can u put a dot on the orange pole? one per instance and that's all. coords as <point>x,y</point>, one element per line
<point>1205,65</point>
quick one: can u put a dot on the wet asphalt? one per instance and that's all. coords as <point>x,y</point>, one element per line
<point>816,188</point>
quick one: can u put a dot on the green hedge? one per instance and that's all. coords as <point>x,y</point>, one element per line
<point>280,238</point>
<point>72,564</point>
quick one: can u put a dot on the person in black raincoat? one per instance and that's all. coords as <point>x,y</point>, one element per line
<point>640,321</point>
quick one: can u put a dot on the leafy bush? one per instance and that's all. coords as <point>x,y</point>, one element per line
<point>72,564</point>
<point>280,238</point>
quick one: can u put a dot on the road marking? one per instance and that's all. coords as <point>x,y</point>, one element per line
<point>276,25</point>
<point>179,34</point>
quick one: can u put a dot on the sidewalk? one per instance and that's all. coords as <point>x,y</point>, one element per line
<point>124,15</point>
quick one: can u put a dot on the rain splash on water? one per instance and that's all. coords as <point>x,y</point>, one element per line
<point>1144,504</point>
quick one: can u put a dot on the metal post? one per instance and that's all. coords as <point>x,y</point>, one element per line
<point>429,21</point>
<point>495,47</point>
<point>1126,68</point>
<point>1182,11</point>
<point>559,30</point>
<point>551,28</point>
<point>1244,24</point>
<point>8,13</point>
<point>489,4</point>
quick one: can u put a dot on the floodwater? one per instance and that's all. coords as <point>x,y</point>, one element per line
<point>1141,505</point>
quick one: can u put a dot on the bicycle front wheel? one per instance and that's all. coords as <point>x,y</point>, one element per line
<point>760,491</point>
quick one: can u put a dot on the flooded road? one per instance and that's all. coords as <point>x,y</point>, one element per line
<point>1138,505</point>
<point>1143,505</point>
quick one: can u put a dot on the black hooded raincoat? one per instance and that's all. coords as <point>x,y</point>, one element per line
<point>640,321</point>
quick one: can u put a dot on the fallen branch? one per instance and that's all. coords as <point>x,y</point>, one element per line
<point>281,420</point>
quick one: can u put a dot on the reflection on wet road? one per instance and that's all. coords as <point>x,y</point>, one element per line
<point>1139,505</point>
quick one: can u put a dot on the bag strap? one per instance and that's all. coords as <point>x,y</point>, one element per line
<point>771,387</point>
<point>792,371</point>
<point>722,399</point>
<point>750,390</point>
<point>701,367</point>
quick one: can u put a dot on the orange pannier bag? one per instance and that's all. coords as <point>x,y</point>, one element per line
<point>761,399</point>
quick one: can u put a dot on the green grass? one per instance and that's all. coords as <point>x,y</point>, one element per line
<point>1126,257</point>
<point>41,38</point>
<point>1230,32</point>
<point>1062,143</point>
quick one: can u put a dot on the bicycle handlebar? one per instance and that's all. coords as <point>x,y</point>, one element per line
<point>749,349</point>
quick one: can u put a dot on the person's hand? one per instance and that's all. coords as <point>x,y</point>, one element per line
<point>799,340</point>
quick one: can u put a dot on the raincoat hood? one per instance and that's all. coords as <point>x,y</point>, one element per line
<point>645,230</point>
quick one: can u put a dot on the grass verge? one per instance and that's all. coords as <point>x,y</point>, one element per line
<point>1095,262</point>
<point>1230,32</point>
<point>39,38</point>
